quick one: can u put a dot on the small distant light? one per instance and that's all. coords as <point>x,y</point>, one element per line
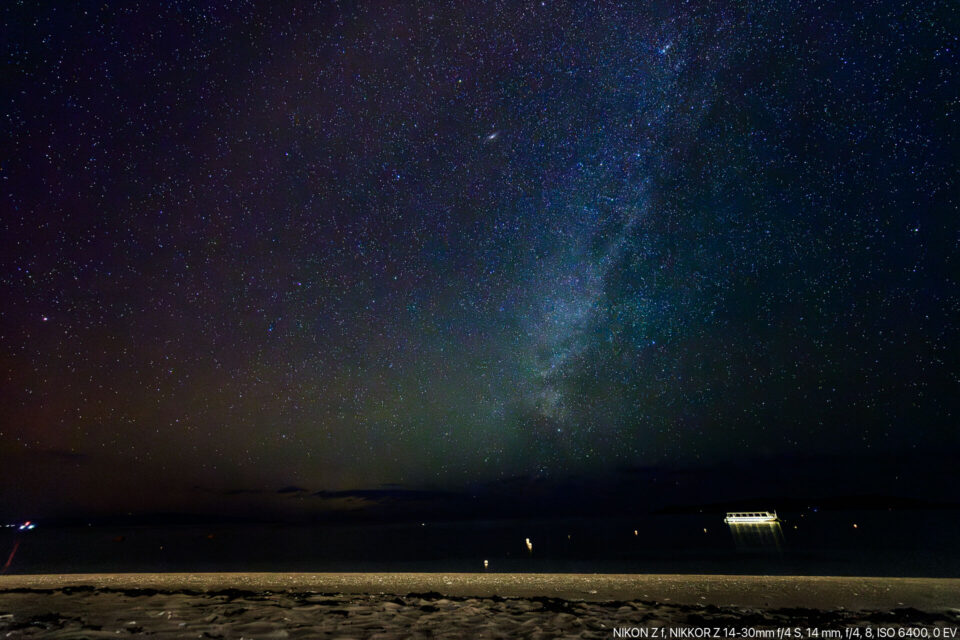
<point>854,525</point>
<point>704,529</point>
<point>529,545</point>
<point>486,563</point>
<point>31,526</point>
<point>635,532</point>
<point>45,318</point>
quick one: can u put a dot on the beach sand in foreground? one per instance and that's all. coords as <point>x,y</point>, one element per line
<point>403,605</point>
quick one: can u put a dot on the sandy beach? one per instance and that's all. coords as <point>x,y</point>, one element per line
<point>402,605</point>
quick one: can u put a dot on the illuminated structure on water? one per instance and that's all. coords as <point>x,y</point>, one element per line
<point>751,517</point>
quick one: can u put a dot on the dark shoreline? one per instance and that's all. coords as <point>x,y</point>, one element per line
<point>384,606</point>
<point>817,592</point>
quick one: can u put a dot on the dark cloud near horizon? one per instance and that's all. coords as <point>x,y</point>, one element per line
<point>291,489</point>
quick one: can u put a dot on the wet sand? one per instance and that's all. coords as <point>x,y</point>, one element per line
<point>399,605</point>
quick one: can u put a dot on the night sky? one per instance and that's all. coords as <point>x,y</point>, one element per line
<point>436,246</point>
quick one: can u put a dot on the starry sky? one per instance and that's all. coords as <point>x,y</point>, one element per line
<point>345,246</point>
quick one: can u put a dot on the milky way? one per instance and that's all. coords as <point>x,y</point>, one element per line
<point>439,244</point>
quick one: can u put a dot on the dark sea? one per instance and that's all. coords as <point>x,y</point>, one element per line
<point>843,543</point>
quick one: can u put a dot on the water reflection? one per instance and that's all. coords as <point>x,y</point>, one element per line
<point>757,536</point>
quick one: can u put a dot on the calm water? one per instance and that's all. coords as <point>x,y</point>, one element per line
<point>906,543</point>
